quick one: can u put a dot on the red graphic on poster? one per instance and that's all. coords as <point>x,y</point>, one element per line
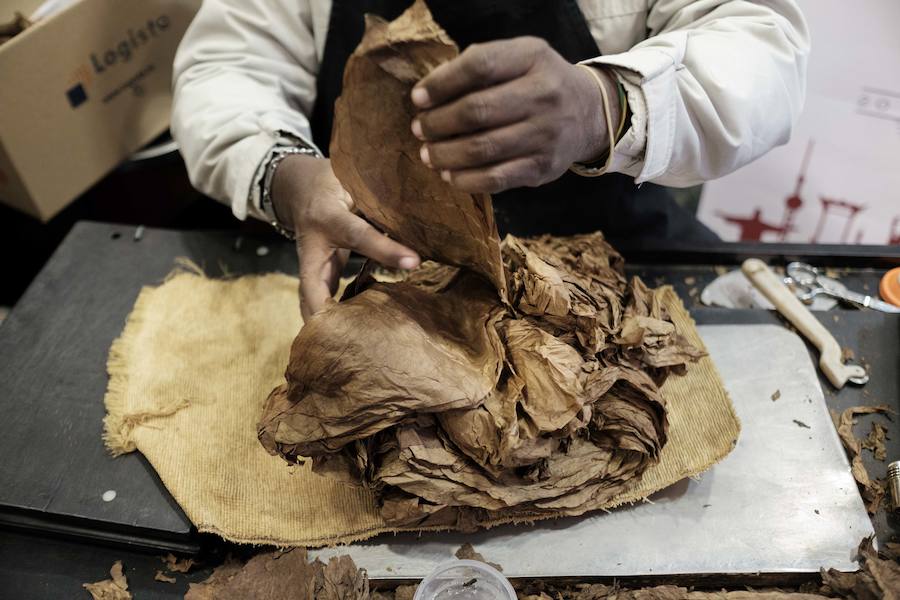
<point>846,209</point>
<point>894,235</point>
<point>753,227</point>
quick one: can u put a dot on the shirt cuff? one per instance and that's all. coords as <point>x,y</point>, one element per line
<point>253,199</point>
<point>648,75</point>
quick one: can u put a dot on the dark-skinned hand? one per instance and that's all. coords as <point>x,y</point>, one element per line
<point>310,201</point>
<point>510,113</point>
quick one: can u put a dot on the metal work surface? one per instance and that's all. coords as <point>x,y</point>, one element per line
<point>782,501</point>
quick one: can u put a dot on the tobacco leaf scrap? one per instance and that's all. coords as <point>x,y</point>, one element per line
<point>372,130</point>
<point>115,588</point>
<point>284,575</point>
<point>467,552</point>
<point>874,442</point>
<point>877,577</point>
<point>662,592</point>
<point>872,490</point>
<point>519,378</point>
<point>177,565</point>
<point>160,576</point>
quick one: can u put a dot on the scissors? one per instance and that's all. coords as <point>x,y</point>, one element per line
<point>811,283</point>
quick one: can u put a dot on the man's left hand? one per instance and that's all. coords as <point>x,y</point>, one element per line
<point>510,113</point>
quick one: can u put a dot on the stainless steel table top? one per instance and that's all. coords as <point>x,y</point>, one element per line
<point>782,501</point>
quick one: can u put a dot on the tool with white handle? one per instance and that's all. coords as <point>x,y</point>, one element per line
<point>787,304</point>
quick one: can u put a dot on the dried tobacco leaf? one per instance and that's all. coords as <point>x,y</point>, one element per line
<point>872,490</point>
<point>875,441</point>
<point>376,156</point>
<point>519,378</point>
<point>424,352</point>
<point>449,404</point>
<point>284,575</point>
<point>467,552</point>
<point>877,577</point>
<point>160,576</point>
<point>115,588</point>
<point>177,565</point>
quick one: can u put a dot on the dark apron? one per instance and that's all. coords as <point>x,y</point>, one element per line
<point>569,205</point>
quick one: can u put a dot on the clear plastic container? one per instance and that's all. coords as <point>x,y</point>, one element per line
<point>465,580</point>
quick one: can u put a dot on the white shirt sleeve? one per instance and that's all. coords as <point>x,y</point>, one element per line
<point>716,85</point>
<point>244,79</point>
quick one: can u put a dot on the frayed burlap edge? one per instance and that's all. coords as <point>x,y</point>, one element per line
<point>118,424</point>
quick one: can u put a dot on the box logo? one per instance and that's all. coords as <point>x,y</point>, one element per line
<point>76,95</point>
<point>101,62</point>
<point>124,51</point>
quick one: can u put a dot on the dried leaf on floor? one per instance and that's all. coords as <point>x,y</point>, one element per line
<point>876,578</point>
<point>284,576</point>
<point>872,490</point>
<point>467,552</point>
<point>115,588</point>
<point>177,565</point>
<point>874,442</point>
<point>160,576</point>
<point>405,592</point>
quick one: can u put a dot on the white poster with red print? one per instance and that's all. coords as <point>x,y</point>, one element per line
<point>838,179</point>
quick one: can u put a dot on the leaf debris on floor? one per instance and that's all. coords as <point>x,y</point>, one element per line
<point>872,490</point>
<point>874,442</point>
<point>283,575</point>
<point>115,588</point>
<point>178,565</point>
<point>467,552</point>
<point>160,576</point>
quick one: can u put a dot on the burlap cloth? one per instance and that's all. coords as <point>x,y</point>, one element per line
<point>197,358</point>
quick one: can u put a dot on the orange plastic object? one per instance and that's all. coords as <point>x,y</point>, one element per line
<point>890,286</point>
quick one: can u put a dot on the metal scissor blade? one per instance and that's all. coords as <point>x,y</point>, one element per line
<point>866,301</point>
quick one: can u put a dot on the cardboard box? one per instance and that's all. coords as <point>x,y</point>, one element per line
<point>82,90</point>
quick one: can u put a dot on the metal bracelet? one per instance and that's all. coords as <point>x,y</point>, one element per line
<point>266,204</point>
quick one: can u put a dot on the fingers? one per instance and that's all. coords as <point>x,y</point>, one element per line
<point>482,149</point>
<point>479,66</point>
<point>520,172</point>
<point>322,258</point>
<point>336,269</point>
<point>485,109</point>
<point>350,231</point>
<point>315,262</point>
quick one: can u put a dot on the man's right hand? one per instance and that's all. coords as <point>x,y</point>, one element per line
<point>310,200</point>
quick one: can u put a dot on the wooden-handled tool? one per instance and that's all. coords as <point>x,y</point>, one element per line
<point>788,305</point>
